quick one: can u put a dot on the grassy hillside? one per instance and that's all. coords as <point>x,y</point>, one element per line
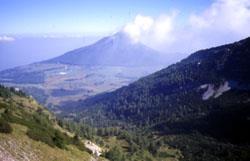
<point>29,132</point>
<point>19,146</point>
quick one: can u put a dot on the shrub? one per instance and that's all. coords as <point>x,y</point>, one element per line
<point>165,155</point>
<point>5,126</point>
<point>115,154</point>
<point>41,135</point>
<point>59,140</point>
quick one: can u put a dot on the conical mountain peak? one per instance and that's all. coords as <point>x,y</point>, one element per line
<point>115,50</point>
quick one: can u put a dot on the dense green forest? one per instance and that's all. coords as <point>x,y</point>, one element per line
<point>170,104</point>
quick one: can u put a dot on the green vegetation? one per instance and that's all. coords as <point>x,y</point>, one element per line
<point>18,143</point>
<point>20,109</point>
<point>198,147</point>
<point>115,154</point>
<point>169,103</point>
<point>7,92</point>
<point>39,126</point>
<point>5,127</point>
<point>120,144</point>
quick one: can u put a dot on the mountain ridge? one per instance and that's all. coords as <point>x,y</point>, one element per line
<point>116,50</point>
<point>200,105</point>
<point>166,95</point>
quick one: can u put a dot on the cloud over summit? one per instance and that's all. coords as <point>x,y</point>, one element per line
<point>222,22</point>
<point>146,27</point>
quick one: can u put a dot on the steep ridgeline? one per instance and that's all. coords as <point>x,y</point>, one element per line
<point>208,93</point>
<point>106,65</point>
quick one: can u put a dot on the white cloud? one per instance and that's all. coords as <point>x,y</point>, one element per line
<point>232,15</point>
<point>6,39</point>
<point>144,28</point>
<point>163,27</point>
<point>222,22</point>
<point>140,25</point>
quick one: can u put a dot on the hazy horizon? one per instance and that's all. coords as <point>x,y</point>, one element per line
<point>38,48</point>
<point>170,27</point>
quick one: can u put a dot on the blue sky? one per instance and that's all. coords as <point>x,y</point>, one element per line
<point>169,26</point>
<point>82,16</point>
